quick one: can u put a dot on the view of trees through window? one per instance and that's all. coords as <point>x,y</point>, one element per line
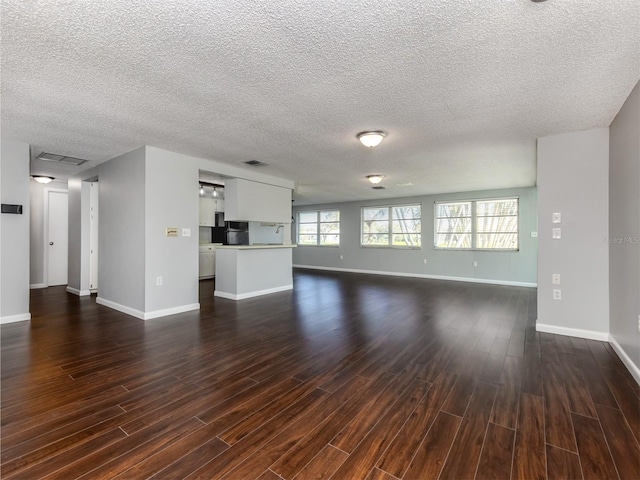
<point>392,226</point>
<point>477,224</point>
<point>319,228</point>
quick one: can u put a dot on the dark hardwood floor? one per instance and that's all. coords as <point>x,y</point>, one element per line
<point>346,377</point>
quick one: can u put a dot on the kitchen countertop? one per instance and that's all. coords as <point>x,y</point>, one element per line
<point>253,247</point>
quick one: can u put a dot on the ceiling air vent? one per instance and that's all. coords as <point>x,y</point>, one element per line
<point>255,163</point>
<point>378,187</point>
<point>52,157</point>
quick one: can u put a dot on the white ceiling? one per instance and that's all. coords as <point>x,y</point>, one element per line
<point>463,88</point>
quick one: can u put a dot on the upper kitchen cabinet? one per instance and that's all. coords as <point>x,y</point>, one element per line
<point>246,201</point>
<point>208,208</point>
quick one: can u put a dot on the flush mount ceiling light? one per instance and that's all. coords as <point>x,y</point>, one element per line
<point>375,178</point>
<point>371,139</point>
<point>42,179</point>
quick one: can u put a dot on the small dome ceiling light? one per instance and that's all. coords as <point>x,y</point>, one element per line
<point>375,179</point>
<point>42,179</point>
<point>371,139</point>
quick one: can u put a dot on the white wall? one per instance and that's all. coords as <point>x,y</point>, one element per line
<point>121,223</point>
<point>37,235</point>
<point>496,267</point>
<point>624,228</point>
<point>172,200</point>
<point>14,232</point>
<point>573,173</point>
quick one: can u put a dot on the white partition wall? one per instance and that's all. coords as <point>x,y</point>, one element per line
<point>14,232</point>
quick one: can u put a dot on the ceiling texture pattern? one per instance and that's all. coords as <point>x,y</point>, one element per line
<point>463,88</point>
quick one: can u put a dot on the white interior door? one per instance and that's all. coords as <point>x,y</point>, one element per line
<point>93,238</point>
<point>58,238</point>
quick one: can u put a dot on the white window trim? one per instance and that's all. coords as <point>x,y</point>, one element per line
<point>473,202</point>
<point>390,220</point>
<point>318,223</point>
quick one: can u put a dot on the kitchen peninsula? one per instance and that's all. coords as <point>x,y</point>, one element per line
<point>245,271</point>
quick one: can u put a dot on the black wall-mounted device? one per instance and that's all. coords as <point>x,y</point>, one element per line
<point>8,208</point>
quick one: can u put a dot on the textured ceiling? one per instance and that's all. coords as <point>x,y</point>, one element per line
<point>463,88</point>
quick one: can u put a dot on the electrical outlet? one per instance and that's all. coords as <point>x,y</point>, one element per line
<point>158,281</point>
<point>341,257</point>
<point>557,294</point>
<point>556,233</point>
<point>556,217</point>
<point>534,234</point>
<point>186,232</point>
<point>475,264</point>
<point>424,260</point>
<point>555,279</point>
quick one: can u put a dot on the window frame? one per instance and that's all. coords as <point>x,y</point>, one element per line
<point>474,225</point>
<point>318,223</point>
<point>390,229</point>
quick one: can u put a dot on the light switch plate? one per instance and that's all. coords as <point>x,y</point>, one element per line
<point>186,232</point>
<point>556,217</point>
<point>557,233</point>
<point>555,278</point>
<point>534,234</point>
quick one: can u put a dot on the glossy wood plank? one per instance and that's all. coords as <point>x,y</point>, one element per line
<point>629,405</point>
<point>377,474</point>
<point>271,451</point>
<point>562,465</point>
<point>497,453</point>
<point>594,452</point>
<point>505,408</point>
<point>397,458</point>
<point>302,453</point>
<point>432,453</point>
<point>529,458</point>
<point>580,400</point>
<point>323,465</point>
<point>364,457</point>
<point>622,444</point>
<point>467,446</point>
<point>557,417</point>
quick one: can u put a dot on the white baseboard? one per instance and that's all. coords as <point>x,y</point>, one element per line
<point>34,286</point>
<point>573,332</point>
<point>80,293</point>
<point>121,308</point>
<point>147,315</point>
<point>632,367</point>
<point>421,275</point>
<point>258,293</point>
<point>171,311</point>
<point>21,317</point>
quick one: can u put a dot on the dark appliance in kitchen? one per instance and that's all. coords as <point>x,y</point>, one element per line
<point>237,233</point>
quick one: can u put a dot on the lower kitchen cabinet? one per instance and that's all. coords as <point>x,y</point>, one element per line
<point>207,261</point>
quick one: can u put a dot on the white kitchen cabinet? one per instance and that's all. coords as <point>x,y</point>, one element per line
<point>246,200</point>
<point>207,261</point>
<point>207,212</point>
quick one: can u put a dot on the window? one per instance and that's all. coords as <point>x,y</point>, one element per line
<point>477,224</point>
<point>393,226</point>
<point>319,228</point>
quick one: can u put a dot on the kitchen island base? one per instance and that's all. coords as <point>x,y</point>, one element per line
<point>245,271</point>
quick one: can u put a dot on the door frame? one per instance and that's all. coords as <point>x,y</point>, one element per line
<point>45,255</point>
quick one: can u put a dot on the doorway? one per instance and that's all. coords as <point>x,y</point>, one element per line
<point>57,240</point>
